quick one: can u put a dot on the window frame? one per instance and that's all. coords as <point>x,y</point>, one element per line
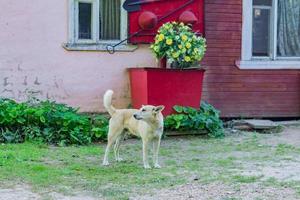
<point>73,24</point>
<point>256,62</point>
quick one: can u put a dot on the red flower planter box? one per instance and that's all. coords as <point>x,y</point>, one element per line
<point>168,87</point>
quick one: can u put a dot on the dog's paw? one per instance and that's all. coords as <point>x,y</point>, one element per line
<point>147,166</point>
<point>157,166</point>
<point>105,163</point>
<point>119,159</point>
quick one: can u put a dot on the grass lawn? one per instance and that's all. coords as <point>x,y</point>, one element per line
<point>237,161</point>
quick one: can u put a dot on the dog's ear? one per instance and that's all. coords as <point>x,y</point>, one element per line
<point>159,108</point>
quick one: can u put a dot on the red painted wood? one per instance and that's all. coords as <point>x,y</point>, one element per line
<point>161,8</point>
<point>222,2</point>
<point>233,9</point>
<point>242,93</point>
<point>166,87</point>
<point>251,87</point>
<point>252,78</point>
<point>223,17</point>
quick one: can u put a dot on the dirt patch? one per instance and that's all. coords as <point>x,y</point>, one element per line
<point>283,171</point>
<point>290,135</point>
<point>57,196</point>
<point>285,167</point>
<point>24,192</point>
<point>220,191</point>
<point>21,192</point>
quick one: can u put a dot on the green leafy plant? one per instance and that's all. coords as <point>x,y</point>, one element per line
<point>48,122</point>
<point>179,44</point>
<point>100,127</point>
<point>53,123</point>
<point>188,119</point>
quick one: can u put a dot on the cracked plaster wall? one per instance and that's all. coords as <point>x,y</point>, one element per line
<point>33,62</point>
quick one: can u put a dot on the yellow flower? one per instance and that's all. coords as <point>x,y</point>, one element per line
<point>184,37</point>
<point>187,58</point>
<point>180,46</point>
<point>161,37</point>
<point>169,42</point>
<point>188,45</point>
<point>175,55</point>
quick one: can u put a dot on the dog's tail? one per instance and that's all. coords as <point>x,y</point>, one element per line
<point>107,102</point>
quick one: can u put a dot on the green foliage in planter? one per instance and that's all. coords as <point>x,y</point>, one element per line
<point>47,122</point>
<point>188,119</point>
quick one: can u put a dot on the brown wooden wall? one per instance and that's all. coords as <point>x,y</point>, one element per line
<point>242,93</point>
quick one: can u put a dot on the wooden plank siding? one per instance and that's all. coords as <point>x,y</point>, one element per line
<point>242,93</point>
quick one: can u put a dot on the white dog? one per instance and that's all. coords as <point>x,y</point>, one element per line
<point>146,123</point>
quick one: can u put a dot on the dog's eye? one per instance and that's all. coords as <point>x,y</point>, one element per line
<point>143,110</point>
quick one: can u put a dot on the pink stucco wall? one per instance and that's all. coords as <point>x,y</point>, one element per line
<point>32,59</point>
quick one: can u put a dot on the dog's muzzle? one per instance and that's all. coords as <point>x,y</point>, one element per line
<point>137,117</point>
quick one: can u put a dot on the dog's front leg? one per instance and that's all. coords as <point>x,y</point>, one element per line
<point>156,145</point>
<point>145,154</point>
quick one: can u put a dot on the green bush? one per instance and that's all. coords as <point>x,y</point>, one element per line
<point>48,122</point>
<point>191,119</point>
<point>100,127</point>
<point>54,123</point>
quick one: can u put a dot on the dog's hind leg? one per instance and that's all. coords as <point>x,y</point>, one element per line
<point>156,145</point>
<point>113,134</point>
<point>117,147</point>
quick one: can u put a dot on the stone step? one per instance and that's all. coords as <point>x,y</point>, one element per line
<point>261,124</point>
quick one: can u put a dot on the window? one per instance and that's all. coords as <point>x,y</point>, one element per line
<point>97,21</point>
<point>85,21</point>
<point>261,26</point>
<point>271,32</point>
<point>288,28</point>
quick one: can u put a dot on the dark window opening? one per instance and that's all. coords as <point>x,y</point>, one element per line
<point>85,21</point>
<point>261,32</point>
